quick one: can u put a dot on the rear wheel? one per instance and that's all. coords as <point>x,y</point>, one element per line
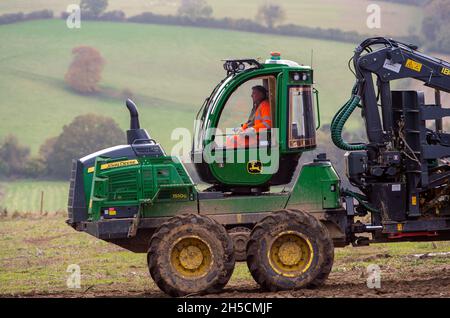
<point>191,254</point>
<point>290,249</point>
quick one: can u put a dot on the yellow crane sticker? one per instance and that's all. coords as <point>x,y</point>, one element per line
<point>413,65</point>
<point>119,164</point>
<point>445,71</point>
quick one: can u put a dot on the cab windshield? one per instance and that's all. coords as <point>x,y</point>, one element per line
<point>204,113</point>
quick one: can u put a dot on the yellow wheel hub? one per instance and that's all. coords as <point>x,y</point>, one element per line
<point>290,254</point>
<point>191,257</point>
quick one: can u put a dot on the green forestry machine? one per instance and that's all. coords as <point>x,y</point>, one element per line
<point>284,224</point>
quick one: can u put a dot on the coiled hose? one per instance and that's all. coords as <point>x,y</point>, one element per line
<point>339,120</point>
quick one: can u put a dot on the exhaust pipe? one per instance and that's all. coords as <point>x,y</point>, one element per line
<point>134,116</point>
<point>135,134</point>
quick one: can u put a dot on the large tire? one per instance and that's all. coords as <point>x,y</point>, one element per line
<point>190,254</point>
<point>290,249</point>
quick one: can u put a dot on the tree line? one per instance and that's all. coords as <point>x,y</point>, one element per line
<point>269,20</point>
<point>409,2</point>
<point>84,135</point>
<point>20,16</point>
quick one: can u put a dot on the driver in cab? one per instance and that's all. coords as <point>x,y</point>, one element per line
<point>258,120</point>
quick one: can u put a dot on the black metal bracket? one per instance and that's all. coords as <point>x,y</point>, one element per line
<point>233,66</point>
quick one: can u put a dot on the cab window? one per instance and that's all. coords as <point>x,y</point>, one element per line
<point>240,116</point>
<point>302,133</point>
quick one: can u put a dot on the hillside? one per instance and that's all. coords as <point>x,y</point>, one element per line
<point>170,70</point>
<point>348,15</point>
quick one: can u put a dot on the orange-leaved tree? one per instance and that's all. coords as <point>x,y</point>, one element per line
<point>84,72</point>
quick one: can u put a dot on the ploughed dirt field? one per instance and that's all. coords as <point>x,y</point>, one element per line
<point>37,252</point>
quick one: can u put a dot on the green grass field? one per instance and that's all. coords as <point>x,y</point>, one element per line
<point>35,254</point>
<point>25,196</point>
<point>170,70</point>
<point>349,15</point>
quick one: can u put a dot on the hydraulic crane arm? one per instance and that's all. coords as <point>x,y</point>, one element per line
<point>397,60</point>
<point>391,60</point>
<point>401,163</point>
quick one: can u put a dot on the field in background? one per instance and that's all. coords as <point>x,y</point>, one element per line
<point>25,196</point>
<point>348,15</point>
<point>169,69</point>
<point>35,254</point>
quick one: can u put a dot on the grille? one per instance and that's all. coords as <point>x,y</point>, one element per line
<point>72,190</point>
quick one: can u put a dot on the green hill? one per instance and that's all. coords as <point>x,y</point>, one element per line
<point>348,15</point>
<point>170,70</point>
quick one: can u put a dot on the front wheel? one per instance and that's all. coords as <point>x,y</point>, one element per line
<point>191,254</point>
<point>290,249</point>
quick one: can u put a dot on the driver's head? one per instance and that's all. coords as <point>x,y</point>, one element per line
<point>259,93</point>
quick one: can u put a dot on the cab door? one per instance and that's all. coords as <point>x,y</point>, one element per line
<point>243,157</point>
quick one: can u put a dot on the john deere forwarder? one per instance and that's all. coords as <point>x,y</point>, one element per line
<point>138,197</point>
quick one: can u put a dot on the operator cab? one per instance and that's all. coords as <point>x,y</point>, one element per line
<point>241,158</point>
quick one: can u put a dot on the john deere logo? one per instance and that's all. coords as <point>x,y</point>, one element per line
<point>119,164</point>
<point>254,166</point>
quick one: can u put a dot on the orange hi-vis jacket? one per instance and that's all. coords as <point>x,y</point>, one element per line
<point>261,118</point>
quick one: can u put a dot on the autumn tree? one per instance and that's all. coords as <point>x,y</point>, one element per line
<point>93,8</point>
<point>13,157</point>
<point>435,25</point>
<point>195,9</point>
<point>270,14</point>
<point>84,135</point>
<point>84,72</point>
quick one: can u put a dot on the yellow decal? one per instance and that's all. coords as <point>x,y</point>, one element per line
<point>399,227</point>
<point>112,211</point>
<point>118,164</point>
<point>414,200</point>
<point>254,166</point>
<point>91,169</point>
<point>179,196</point>
<point>413,65</point>
<point>90,204</point>
<point>445,71</point>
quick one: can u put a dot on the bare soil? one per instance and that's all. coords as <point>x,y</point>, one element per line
<point>35,254</point>
<point>425,282</point>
